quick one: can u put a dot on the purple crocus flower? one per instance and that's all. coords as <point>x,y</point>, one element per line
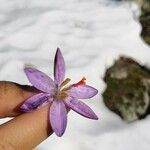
<point>59,95</point>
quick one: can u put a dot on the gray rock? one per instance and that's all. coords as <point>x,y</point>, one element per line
<point>128,89</point>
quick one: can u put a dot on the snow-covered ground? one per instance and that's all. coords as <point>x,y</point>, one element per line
<point>91,34</point>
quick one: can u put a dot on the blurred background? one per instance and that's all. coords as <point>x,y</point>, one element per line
<point>104,40</point>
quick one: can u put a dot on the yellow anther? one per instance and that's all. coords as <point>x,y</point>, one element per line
<point>63,95</point>
<point>66,81</point>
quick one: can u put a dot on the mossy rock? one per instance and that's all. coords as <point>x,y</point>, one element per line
<point>145,22</point>
<point>128,89</point>
<point>144,18</point>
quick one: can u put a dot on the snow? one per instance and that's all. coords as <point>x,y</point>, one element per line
<point>91,35</point>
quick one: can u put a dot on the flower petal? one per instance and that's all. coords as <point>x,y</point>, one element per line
<point>82,91</point>
<point>81,108</point>
<point>59,67</point>
<point>58,117</point>
<point>35,102</point>
<point>40,80</point>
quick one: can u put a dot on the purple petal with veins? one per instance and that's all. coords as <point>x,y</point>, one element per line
<point>80,108</point>
<point>82,91</point>
<point>40,80</point>
<point>35,102</point>
<point>58,117</point>
<point>59,67</point>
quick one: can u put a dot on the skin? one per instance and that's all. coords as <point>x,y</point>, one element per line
<point>26,130</point>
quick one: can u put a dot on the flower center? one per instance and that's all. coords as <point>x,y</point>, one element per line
<point>62,95</point>
<point>61,92</point>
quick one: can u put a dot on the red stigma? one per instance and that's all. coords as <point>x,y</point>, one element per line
<point>81,82</point>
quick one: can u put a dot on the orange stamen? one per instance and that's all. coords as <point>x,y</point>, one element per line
<point>81,82</point>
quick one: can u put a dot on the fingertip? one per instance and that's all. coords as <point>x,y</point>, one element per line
<point>12,95</point>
